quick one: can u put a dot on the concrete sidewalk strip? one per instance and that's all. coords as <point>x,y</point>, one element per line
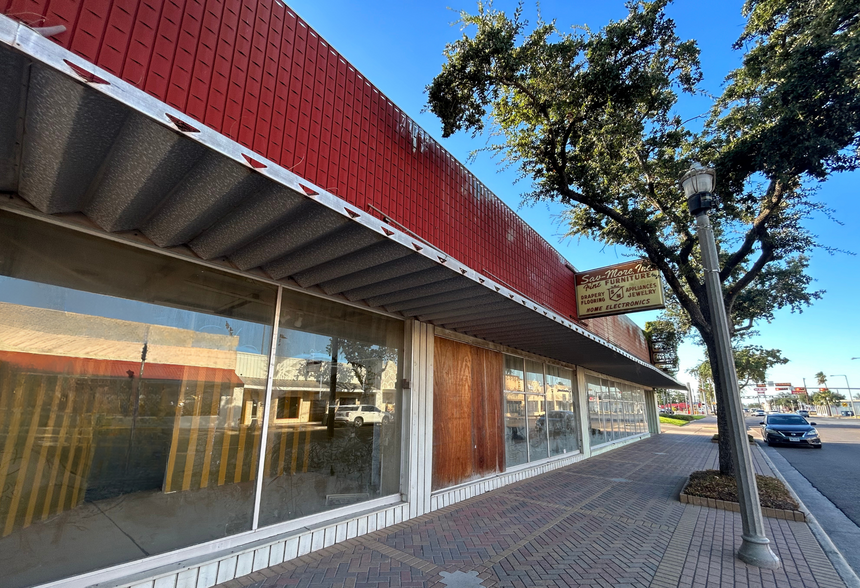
<point>612,520</point>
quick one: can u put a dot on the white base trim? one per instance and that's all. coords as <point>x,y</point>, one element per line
<point>203,569</point>
<point>609,446</point>
<point>455,494</point>
<point>206,571</point>
<point>331,527</point>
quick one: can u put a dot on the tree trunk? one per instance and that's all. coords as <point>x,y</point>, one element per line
<point>727,464</point>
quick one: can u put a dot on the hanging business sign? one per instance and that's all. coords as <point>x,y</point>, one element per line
<point>618,289</point>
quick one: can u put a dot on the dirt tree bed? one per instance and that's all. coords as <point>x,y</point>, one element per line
<point>711,484</point>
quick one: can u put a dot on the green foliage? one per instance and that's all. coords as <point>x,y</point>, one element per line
<point>588,119</point>
<point>751,364</point>
<point>671,420</point>
<point>827,397</point>
<point>793,107</point>
<point>687,417</point>
<point>753,361</point>
<point>789,401</point>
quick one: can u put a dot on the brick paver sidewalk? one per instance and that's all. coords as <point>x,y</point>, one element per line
<point>612,520</point>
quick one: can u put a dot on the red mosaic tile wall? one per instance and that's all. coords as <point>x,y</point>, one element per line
<point>254,71</point>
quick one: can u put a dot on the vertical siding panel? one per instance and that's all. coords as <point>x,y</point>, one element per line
<point>205,58</point>
<point>180,80</point>
<point>306,127</point>
<point>339,145</point>
<point>283,92</point>
<point>137,60</point>
<point>89,30</point>
<point>49,13</point>
<point>269,80</point>
<point>295,138</point>
<point>166,38</point>
<point>316,80</point>
<point>254,81</point>
<point>117,35</point>
<point>329,98</point>
<point>239,71</point>
<point>219,83</point>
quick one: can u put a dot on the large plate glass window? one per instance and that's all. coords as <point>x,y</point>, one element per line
<point>596,410</point>
<point>616,410</point>
<point>516,436</point>
<point>131,398</point>
<point>334,437</point>
<point>561,418</point>
<point>536,411</point>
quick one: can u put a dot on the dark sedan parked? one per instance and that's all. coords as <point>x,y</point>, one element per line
<point>791,429</point>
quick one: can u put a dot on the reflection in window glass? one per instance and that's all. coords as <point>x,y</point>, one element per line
<point>336,376</point>
<point>534,377</point>
<point>561,418</point>
<point>516,443</point>
<point>536,411</point>
<point>616,410</point>
<point>608,410</point>
<point>516,436</point>
<point>595,420</point>
<point>541,423</point>
<point>536,414</point>
<point>130,402</point>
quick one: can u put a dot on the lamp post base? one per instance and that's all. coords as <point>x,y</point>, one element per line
<point>756,552</point>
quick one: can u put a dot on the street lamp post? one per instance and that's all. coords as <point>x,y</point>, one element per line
<point>850,397</point>
<point>698,185</point>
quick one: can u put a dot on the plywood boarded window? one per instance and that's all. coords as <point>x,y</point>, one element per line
<point>467,414</point>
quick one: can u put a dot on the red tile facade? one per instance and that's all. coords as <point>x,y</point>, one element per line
<point>255,72</point>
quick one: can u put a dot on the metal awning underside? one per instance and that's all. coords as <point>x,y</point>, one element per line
<point>71,144</point>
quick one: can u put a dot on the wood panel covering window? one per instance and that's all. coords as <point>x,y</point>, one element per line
<point>467,413</point>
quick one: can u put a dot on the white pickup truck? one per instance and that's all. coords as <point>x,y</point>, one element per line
<point>358,415</point>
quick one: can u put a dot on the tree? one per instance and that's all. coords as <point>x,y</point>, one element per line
<point>785,400</point>
<point>751,364</point>
<point>821,378</point>
<point>828,398</point>
<point>705,379</point>
<point>588,118</point>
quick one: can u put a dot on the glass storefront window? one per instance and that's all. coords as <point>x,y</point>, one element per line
<point>516,442</point>
<point>536,414</point>
<point>541,422</point>
<point>561,418</point>
<point>616,410</point>
<point>536,411</point>
<point>593,390</point>
<point>334,439</point>
<point>516,436</point>
<point>130,401</point>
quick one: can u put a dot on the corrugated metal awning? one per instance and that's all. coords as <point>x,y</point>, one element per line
<point>75,140</point>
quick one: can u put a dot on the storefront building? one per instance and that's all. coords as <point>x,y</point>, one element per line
<point>248,309</point>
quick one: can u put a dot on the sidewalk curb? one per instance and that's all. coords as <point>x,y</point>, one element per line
<point>830,550</point>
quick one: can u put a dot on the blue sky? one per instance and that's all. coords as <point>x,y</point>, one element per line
<point>398,47</point>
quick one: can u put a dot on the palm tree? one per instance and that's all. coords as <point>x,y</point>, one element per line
<point>827,398</point>
<point>822,379</point>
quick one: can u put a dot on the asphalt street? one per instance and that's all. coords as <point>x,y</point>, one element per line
<point>827,480</point>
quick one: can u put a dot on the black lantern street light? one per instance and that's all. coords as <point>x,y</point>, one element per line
<point>698,185</point>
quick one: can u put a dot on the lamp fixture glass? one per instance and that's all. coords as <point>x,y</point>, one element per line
<point>697,180</point>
